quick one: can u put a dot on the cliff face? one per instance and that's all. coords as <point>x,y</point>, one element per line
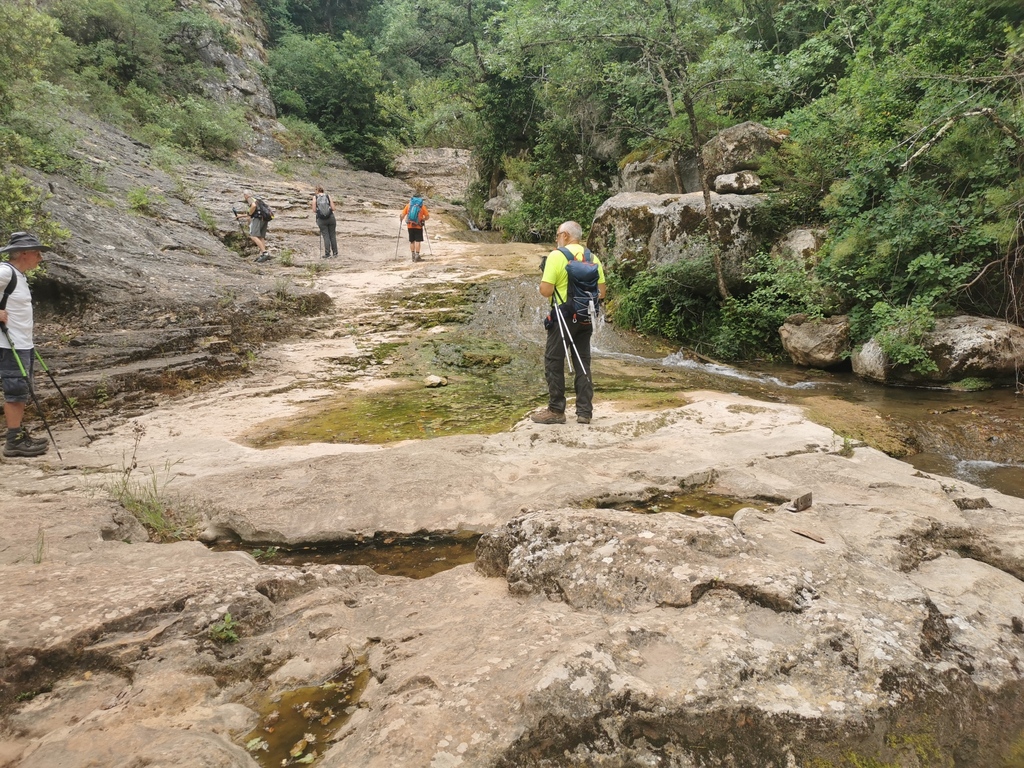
<point>238,56</point>
<point>242,83</point>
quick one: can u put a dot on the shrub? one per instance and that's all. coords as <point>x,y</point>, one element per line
<point>21,210</point>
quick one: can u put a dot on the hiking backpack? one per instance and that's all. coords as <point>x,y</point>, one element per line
<point>11,285</point>
<point>415,205</point>
<point>263,211</point>
<point>583,296</point>
<point>323,206</point>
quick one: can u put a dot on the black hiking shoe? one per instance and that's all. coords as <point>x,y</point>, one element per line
<point>548,417</point>
<point>263,257</point>
<point>23,444</point>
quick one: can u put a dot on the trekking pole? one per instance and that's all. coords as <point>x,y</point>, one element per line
<point>31,389</point>
<point>565,323</point>
<point>429,252</point>
<point>67,402</point>
<point>397,244</point>
<point>555,310</point>
<point>240,227</point>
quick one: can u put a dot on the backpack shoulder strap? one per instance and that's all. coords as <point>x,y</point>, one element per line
<point>587,255</point>
<point>11,285</point>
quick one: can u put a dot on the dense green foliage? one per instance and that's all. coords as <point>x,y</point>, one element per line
<point>905,122</point>
<point>334,85</point>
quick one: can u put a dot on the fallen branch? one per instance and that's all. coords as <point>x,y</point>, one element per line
<point>984,112</point>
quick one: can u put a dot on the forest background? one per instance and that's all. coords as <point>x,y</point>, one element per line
<point>905,122</point>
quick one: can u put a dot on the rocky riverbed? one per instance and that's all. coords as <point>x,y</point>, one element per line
<point>881,625</point>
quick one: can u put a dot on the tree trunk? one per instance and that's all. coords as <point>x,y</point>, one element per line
<point>716,246</point>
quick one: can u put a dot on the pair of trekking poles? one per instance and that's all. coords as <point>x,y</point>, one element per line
<point>567,340</point>
<point>32,391</point>
<point>398,245</point>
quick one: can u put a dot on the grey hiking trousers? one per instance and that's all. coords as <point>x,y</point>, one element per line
<point>554,367</point>
<point>329,232</point>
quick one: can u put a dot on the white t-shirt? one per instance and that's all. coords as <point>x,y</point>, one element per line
<point>19,309</point>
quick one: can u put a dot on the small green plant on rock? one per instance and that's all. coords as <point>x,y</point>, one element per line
<point>223,631</point>
<point>266,554</point>
<point>142,201</point>
<point>166,516</point>
<point>971,384</point>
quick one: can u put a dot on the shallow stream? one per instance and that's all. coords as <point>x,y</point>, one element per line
<point>494,374</point>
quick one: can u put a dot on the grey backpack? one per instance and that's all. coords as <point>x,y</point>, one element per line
<point>323,206</point>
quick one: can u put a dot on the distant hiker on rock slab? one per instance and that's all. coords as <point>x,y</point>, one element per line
<point>259,214</point>
<point>323,208</point>
<point>415,215</point>
<point>24,254</point>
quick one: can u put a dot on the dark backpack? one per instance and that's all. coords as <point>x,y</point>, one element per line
<point>11,285</point>
<point>583,296</point>
<point>415,205</point>
<point>263,211</point>
<point>323,206</point>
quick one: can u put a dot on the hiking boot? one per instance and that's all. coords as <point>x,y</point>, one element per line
<point>263,257</point>
<point>582,419</point>
<point>23,444</point>
<point>548,417</point>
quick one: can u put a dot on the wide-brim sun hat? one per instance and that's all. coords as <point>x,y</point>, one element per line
<point>24,241</point>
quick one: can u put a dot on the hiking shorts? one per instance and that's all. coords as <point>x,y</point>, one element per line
<point>258,228</point>
<point>15,386</point>
<point>415,234</point>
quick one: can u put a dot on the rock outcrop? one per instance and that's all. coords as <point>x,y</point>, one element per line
<point>881,625</point>
<point>961,347</point>
<point>437,172</point>
<point>507,199</point>
<point>636,231</point>
<point>242,83</point>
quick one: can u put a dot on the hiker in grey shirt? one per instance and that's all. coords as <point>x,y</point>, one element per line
<point>323,208</point>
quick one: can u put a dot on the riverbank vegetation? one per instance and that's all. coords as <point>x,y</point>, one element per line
<point>905,121</point>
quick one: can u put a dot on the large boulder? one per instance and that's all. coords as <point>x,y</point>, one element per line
<point>961,347</point>
<point>739,148</point>
<point>740,183</point>
<point>670,175</point>
<point>635,231</point>
<point>800,246</point>
<point>822,342</point>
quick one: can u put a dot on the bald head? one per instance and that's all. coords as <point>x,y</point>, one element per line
<point>572,231</point>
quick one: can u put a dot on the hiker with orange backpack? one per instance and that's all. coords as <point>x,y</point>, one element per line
<point>415,215</point>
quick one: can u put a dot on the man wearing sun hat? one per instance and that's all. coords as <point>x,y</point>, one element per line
<point>24,253</point>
